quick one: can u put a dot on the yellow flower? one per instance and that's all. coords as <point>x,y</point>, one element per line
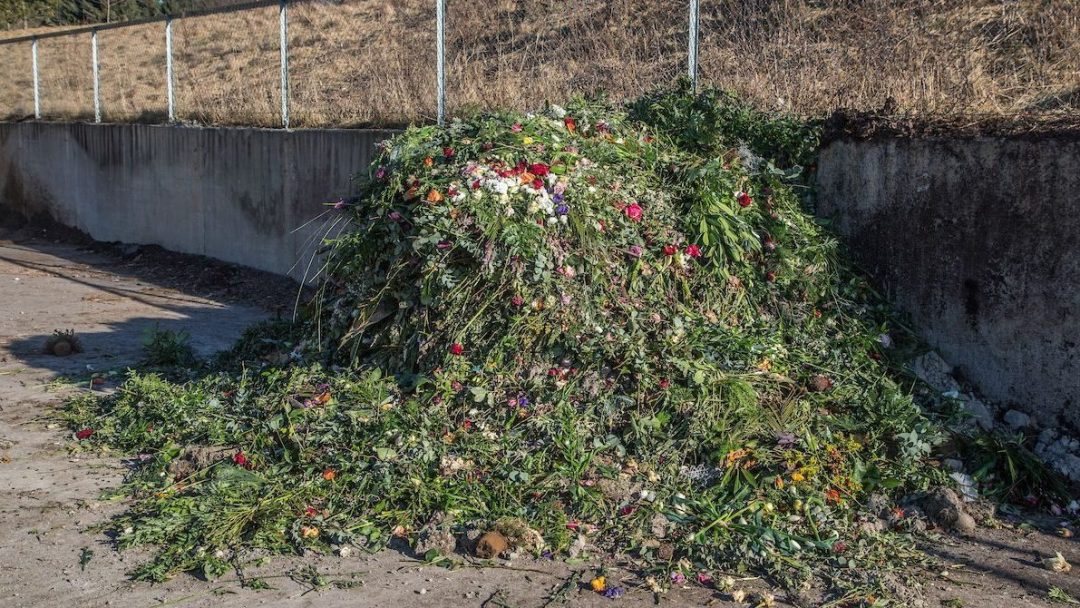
<point>796,477</point>
<point>598,584</point>
<point>309,531</point>
<point>528,142</point>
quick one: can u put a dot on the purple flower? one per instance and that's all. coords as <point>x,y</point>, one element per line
<point>635,251</point>
<point>339,204</point>
<point>678,578</point>
<point>395,216</point>
<point>547,555</point>
<point>380,173</point>
<point>614,593</point>
<point>522,401</point>
<point>562,210</point>
<point>558,198</point>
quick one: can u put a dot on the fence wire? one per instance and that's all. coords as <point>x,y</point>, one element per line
<point>373,63</point>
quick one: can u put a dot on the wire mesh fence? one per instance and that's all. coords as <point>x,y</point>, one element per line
<point>348,63</point>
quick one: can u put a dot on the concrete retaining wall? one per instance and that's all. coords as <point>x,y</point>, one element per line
<point>979,241</point>
<point>232,194</point>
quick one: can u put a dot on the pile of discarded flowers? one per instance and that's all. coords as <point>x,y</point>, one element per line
<point>582,330</point>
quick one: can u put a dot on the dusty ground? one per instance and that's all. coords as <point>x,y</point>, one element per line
<point>50,497</point>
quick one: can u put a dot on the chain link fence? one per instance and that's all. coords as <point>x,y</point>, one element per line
<point>352,63</point>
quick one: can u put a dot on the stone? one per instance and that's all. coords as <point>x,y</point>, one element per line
<point>980,413</point>
<point>437,539</point>
<point>935,371</point>
<point>1060,452</point>
<point>1017,420</point>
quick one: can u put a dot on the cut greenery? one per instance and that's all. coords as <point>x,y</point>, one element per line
<point>614,328</point>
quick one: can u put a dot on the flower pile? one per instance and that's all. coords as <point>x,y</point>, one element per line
<point>568,321</point>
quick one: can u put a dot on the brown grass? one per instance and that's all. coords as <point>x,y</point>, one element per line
<point>365,62</point>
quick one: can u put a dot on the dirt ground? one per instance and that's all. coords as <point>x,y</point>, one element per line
<point>50,497</point>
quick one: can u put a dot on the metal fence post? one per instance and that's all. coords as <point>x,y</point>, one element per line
<point>97,80</point>
<point>692,63</point>
<point>34,67</point>
<point>440,52</point>
<point>169,67</point>
<point>283,27</point>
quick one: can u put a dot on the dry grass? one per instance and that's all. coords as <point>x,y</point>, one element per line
<point>364,62</point>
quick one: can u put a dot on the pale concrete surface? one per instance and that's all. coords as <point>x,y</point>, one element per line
<point>246,196</point>
<point>49,496</point>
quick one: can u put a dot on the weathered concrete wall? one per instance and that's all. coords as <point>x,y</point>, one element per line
<point>979,241</point>
<point>237,195</point>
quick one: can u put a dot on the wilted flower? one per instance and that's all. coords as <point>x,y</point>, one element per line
<point>785,440</point>
<point>614,593</point>
<point>678,578</point>
<point>516,128</point>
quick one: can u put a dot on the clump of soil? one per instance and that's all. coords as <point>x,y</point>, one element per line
<point>63,343</point>
<point>491,545</point>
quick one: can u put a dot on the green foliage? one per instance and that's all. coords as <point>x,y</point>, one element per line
<point>167,348</point>
<point>573,320</point>
<point>1006,469</point>
<point>713,122</point>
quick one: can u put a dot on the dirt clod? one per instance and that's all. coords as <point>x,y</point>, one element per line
<point>945,508</point>
<point>491,545</point>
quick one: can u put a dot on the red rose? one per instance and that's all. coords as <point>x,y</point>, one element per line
<point>456,349</point>
<point>633,211</point>
<point>693,251</point>
<point>448,152</point>
<point>539,169</point>
<point>538,184</point>
<point>744,199</point>
<point>84,434</point>
<point>239,459</point>
<point>670,249</point>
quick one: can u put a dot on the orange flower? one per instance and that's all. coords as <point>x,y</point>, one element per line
<point>329,474</point>
<point>309,532</point>
<point>832,495</point>
<point>429,161</point>
<point>434,196</point>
